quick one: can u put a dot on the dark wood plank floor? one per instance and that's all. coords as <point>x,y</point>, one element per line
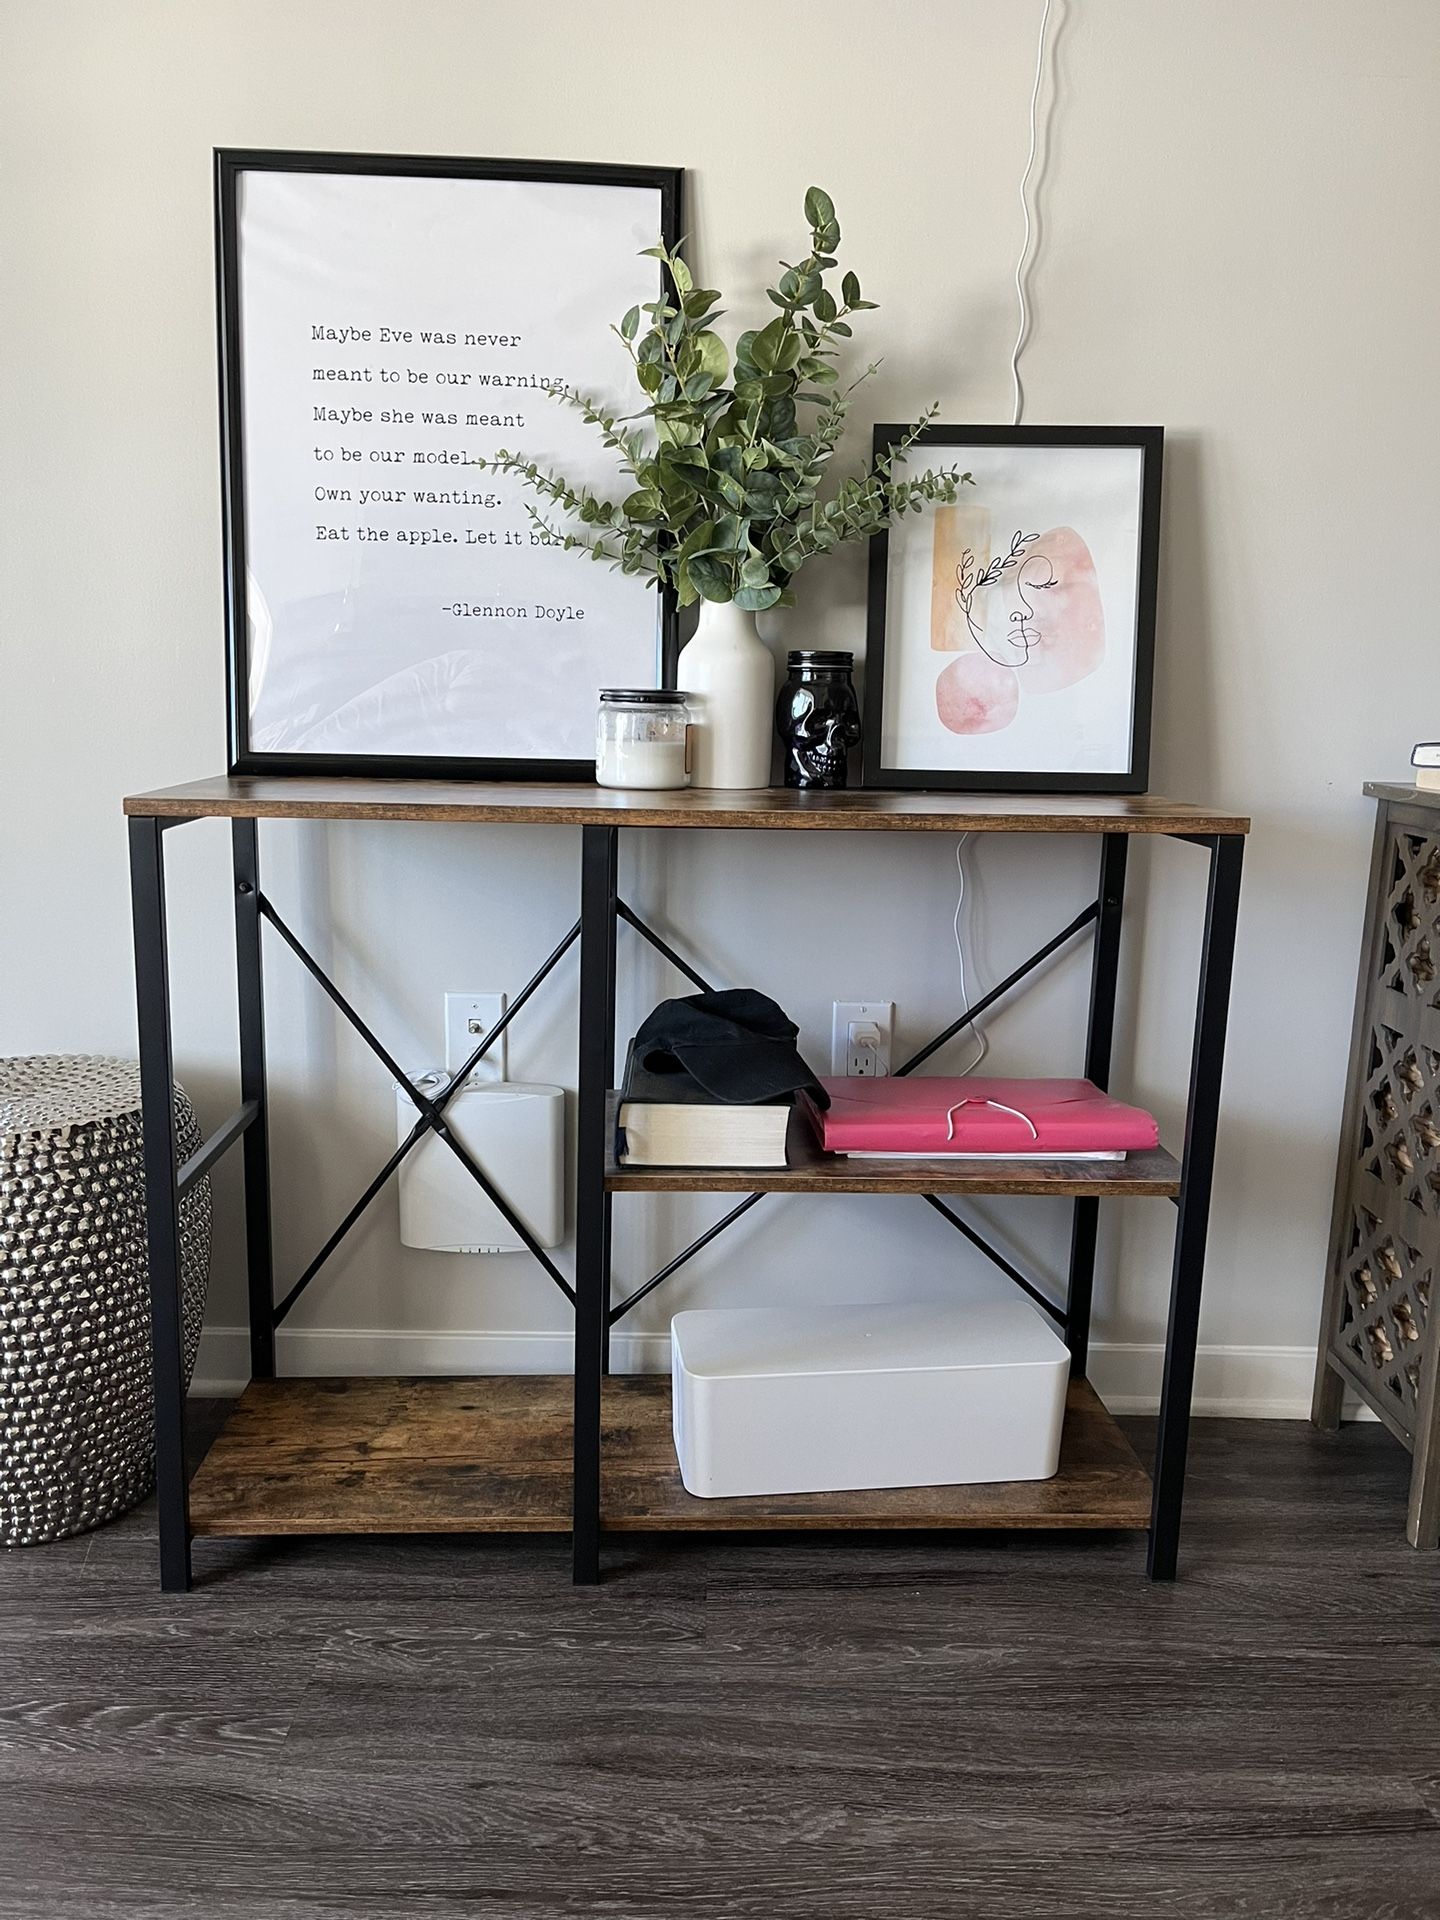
<point>998,1726</point>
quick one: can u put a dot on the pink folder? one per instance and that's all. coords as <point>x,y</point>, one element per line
<point>931,1114</point>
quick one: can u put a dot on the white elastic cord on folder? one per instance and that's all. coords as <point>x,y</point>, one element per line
<point>970,1100</point>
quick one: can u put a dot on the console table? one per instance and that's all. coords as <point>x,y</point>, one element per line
<point>591,1454</point>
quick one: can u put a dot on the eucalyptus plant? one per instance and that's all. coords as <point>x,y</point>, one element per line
<point>728,459</point>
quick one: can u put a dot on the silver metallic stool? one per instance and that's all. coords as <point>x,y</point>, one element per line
<point>77,1442</point>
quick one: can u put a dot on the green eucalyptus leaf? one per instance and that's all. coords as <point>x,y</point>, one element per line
<point>850,290</point>
<point>630,325</point>
<point>819,207</point>
<point>712,356</point>
<point>644,505</point>
<point>765,345</point>
<point>681,275</point>
<point>756,599</point>
<point>711,577</point>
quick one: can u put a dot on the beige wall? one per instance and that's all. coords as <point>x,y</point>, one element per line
<point>1238,240</point>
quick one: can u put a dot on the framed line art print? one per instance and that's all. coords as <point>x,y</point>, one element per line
<point>1011,636</point>
<point>388,324</point>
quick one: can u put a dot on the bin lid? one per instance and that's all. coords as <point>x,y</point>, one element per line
<point>914,1336</point>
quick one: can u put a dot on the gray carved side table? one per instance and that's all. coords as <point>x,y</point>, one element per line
<point>77,1440</point>
<point>1381,1323</point>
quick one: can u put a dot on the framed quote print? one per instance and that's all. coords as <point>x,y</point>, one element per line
<point>1011,635</point>
<point>389,324</point>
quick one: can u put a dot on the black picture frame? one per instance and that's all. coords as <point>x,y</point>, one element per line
<point>1149,441</point>
<point>230,165</point>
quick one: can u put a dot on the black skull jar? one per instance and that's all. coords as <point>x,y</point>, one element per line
<point>818,719</point>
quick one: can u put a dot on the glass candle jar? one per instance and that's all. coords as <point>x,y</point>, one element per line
<point>818,719</point>
<point>642,738</point>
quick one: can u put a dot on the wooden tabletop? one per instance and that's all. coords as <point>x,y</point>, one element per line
<point>492,802</point>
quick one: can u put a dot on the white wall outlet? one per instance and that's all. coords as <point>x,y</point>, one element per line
<point>860,1035</point>
<point>468,1018</point>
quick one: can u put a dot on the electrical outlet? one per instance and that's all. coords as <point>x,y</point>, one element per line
<point>860,1035</point>
<point>468,1018</point>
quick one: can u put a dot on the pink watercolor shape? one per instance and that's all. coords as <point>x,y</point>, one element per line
<point>1051,636</point>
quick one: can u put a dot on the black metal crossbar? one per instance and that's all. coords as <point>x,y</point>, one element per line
<point>673,1266</point>
<point>219,1142</point>
<point>993,1254</point>
<point>431,1113</point>
<point>1083,919</point>
<point>632,919</point>
<point>1027,967</point>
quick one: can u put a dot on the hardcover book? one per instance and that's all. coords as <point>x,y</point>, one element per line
<point>669,1120</point>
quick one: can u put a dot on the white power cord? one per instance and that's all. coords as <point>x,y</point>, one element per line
<point>983,1043</point>
<point>1020,265</point>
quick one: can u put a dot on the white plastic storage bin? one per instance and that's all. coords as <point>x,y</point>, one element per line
<point>835,1399</point>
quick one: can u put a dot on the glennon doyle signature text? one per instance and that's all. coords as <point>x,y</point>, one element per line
<point>470,610</point>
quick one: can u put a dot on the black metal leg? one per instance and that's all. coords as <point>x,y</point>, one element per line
<point>1192,1221</point>
<point>599,861</point>
<point>258,1242</point>
<point>1104,977</point>
<point>152,998</point>
<point>605,1338</point>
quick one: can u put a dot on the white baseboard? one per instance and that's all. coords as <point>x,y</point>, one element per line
<point>1247,1383</point>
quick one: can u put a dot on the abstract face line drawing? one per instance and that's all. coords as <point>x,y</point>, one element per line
<point>971,580</point>
<point>1052,621</point>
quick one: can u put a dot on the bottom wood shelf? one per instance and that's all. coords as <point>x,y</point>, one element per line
<point>384,1455</point>
<point>1100,1482</point>
<point>492,1455</point>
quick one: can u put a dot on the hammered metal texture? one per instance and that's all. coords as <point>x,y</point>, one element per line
<point>77,1439</point>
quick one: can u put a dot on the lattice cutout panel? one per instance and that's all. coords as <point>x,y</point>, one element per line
<point>1388,1229</point>
<point>1385,1312</point>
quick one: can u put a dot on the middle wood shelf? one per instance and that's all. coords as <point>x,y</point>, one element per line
<point>1155,1173</point>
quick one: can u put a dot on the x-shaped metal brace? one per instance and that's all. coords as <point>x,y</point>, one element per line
<point>431,1111</point>
<point>1087,916</point>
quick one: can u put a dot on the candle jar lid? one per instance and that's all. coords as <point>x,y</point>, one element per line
<point>643,696</point>
<point>819,657</point>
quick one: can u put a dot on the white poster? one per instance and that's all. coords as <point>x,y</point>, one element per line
<point>1014,618</point>
<point>395,331</point>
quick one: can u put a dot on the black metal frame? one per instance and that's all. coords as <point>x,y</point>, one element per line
<point>230,164</point>
<point>1150,442</point>
<point>602,910</point>
<point>166,1180</point>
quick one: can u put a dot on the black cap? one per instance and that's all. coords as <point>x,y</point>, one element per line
<point>737,1045</point>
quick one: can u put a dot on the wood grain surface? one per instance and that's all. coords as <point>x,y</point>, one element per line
<point>304,797</point>
<point>493,1456</point>
<point>1100,1482</point>
<point>744,1727</point>
<point>1155,1173</point>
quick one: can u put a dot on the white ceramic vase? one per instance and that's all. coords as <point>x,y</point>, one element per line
<point>729,673</point>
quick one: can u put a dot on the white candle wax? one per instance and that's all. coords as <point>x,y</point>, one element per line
<point>641,763</point>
